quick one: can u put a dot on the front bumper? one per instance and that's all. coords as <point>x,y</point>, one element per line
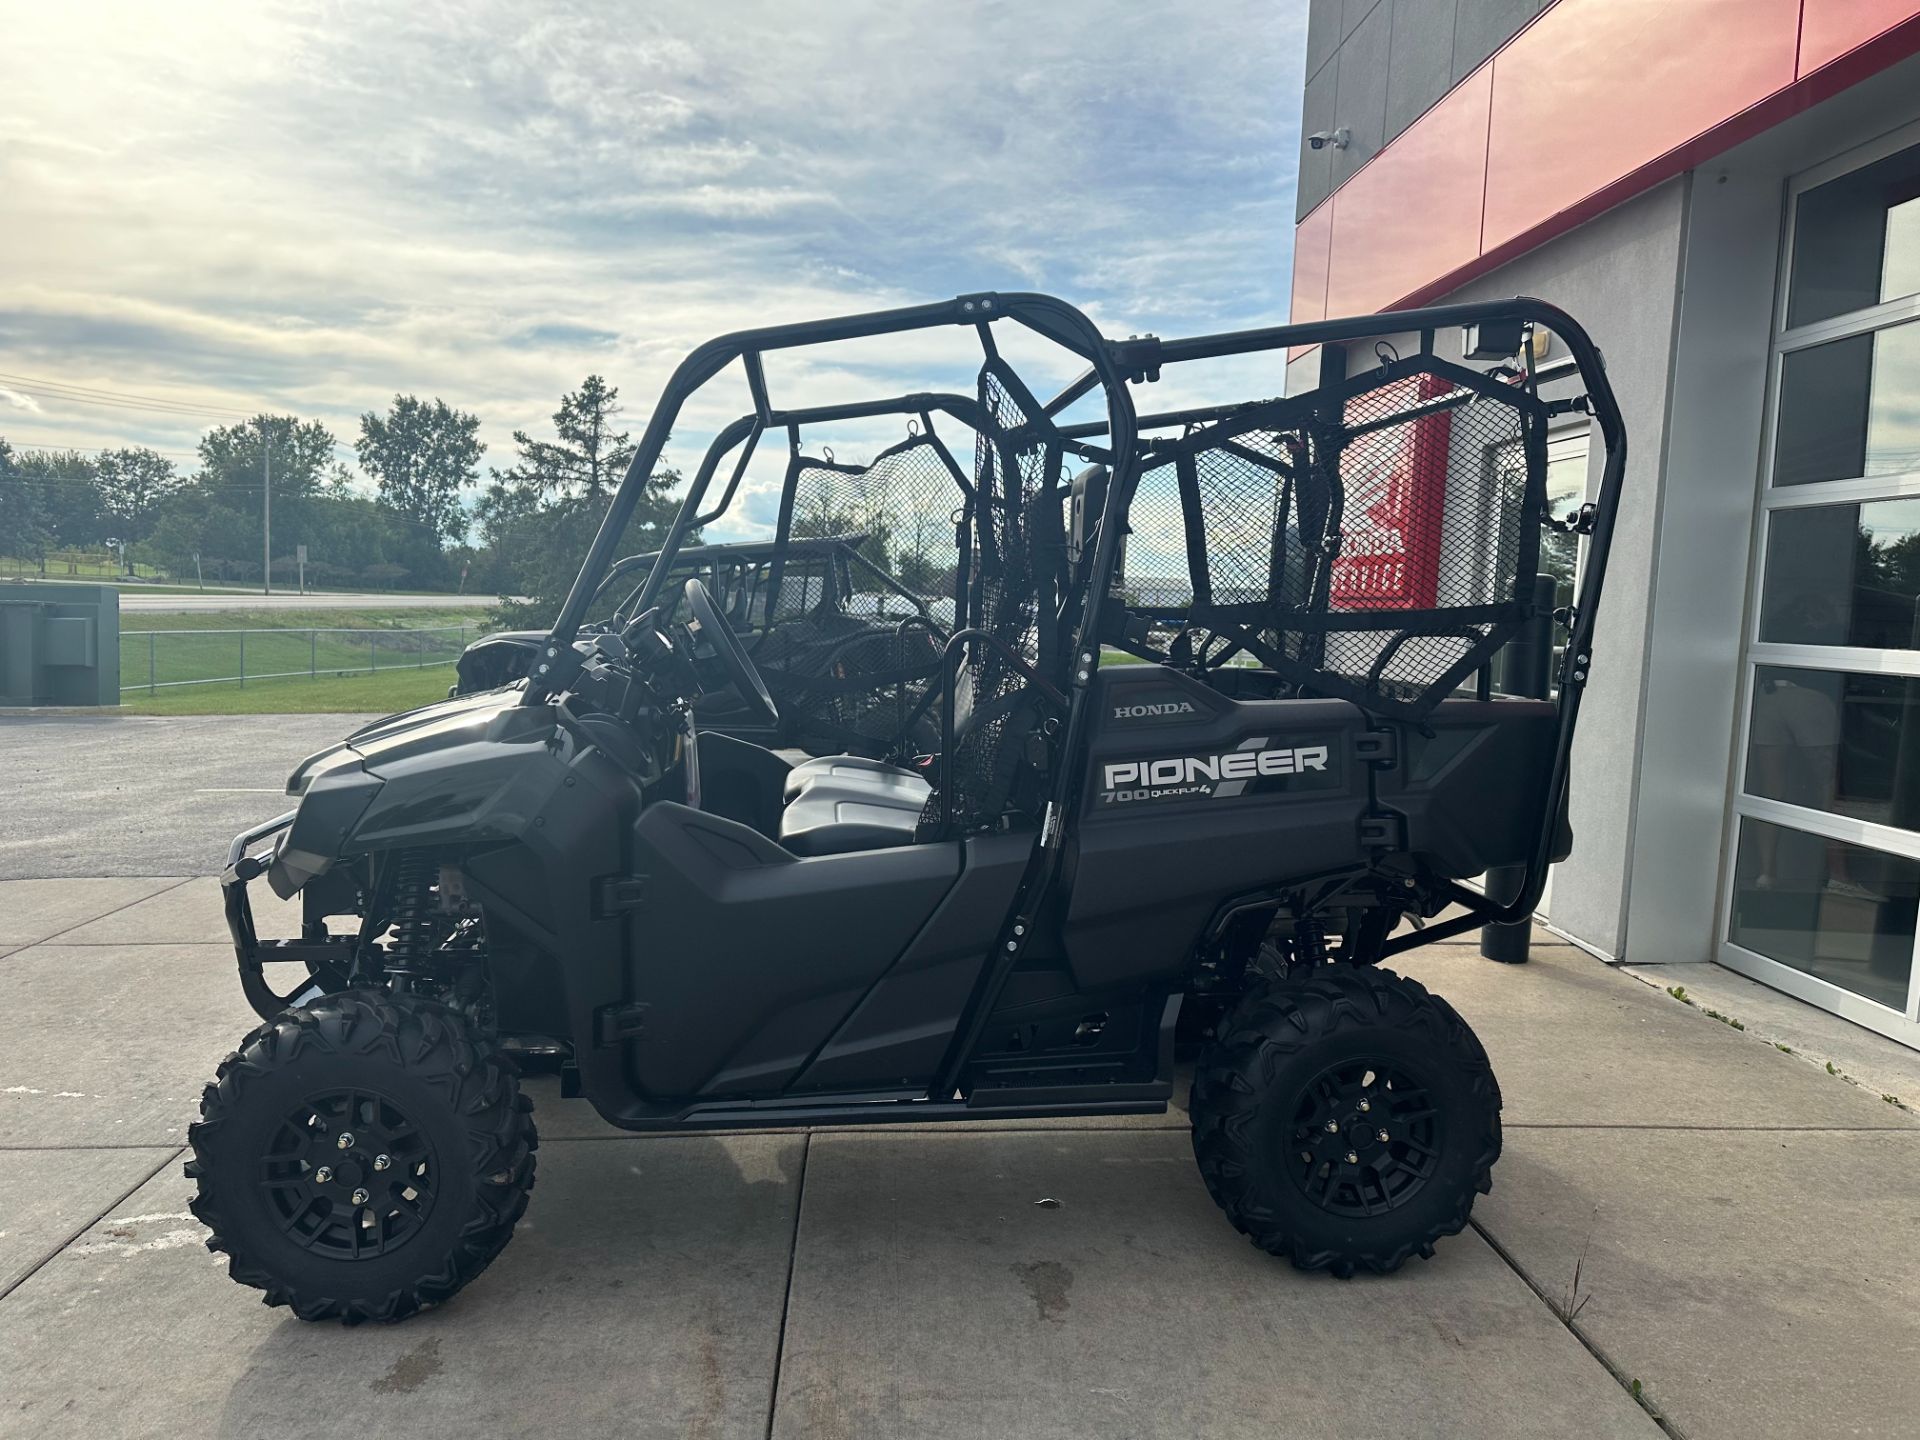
<point>318,955</point>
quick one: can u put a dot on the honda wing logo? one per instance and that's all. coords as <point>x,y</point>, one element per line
<point>1230,773</point>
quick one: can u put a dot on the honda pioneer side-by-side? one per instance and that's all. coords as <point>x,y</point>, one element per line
<point>1213,731</point>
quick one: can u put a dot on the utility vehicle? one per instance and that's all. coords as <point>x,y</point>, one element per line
<point>848,650</point>
<point>1304,759</point>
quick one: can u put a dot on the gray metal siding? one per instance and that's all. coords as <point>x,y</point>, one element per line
<point>1376,66</point>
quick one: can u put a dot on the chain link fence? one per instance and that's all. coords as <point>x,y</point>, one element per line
<point>155,660</point>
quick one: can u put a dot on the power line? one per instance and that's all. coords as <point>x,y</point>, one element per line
<point>65,445</point>
<point>90,395</point>
<point>22,444</point>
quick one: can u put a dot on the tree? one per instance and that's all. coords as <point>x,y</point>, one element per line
<point>134,485</point>
<point>542,512</point>
<point>234,457</point>
<point>585,462</point>
<point>69,496</point>
<point>423,455</point>
<point>233,463</point>
<point>23,521</point>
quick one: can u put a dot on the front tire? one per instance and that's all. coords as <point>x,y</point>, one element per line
<point>362,1158</point>
<point>1345,1121</point>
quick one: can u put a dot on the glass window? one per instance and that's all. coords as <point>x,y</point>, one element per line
<point>1850,408</point>
<point>1837,741</point>
<point>1839,911</point>
<point>1566,492</point>
<point>1843,575</point>
<point>1856,240</point>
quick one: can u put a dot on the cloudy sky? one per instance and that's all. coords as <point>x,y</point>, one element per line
<point>311,206</point>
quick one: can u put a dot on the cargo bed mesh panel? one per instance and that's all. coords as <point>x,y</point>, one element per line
<point>1371,545</point>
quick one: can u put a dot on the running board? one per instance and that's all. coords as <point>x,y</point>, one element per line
<point>1010,1105</point>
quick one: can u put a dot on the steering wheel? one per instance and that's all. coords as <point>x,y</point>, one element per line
<point>710,625</point>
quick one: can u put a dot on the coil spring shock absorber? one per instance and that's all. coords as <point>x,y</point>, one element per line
<point>414,926</point>
<point>1310,940</point>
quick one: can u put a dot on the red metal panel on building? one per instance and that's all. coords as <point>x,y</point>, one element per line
<point>1830,28</point>
<point>1596,89</point>
<point>1310,241</point>
<point>1414,211</point>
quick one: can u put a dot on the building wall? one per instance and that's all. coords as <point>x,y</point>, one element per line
<point>1374,66</point>
<point>1701,574</point>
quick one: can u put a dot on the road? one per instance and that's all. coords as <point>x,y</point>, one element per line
<point>175,603</point>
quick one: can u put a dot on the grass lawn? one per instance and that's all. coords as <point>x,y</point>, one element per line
<point>385,692</point>
<point>369,619</point>
<point>285,643</point>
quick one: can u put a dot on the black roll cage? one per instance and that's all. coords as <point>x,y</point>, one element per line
<point>1112,368</point>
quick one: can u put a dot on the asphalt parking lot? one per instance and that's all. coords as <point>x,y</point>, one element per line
<point>109,795</point>
<point>1680,1205</point>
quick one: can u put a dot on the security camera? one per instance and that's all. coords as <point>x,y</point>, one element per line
<point>1338,139</point>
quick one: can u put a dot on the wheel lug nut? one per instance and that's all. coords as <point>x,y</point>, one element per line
<point>1366,1105</point>
<point>1333,1127</point>
<point>345,1142</point>
<point>1384,1137</point>
<point>1352,1158</point>
<point>381,1162</point>
<point>359,1197</point>
<point>324,1174</point>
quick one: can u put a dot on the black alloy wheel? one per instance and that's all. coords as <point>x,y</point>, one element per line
<point>1345,1119</point>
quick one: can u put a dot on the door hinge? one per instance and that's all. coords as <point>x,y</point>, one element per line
<point>1377,747</point>
<point>617,894</point>
<point>1383,830</point>
<point>614,1024</point>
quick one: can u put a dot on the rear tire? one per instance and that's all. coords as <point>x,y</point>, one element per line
<point>1291,1103</point>
<point>362,1158</point>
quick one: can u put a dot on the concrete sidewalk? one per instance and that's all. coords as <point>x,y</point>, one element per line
<point>1684,1214</point>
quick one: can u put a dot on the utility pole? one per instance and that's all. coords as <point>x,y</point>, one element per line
<point>266,510</point>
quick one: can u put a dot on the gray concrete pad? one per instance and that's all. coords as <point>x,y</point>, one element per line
<point>1757,1285</point>
<point>1819,1037</point>
<point>193,913</point>
<point>932,1296</point>
<point>35,910</point>
<point>145,795</point>
<point>1574,1042</point>
<point>641,1297</point>
<point>49,1196</point>
<point>110,1045</point>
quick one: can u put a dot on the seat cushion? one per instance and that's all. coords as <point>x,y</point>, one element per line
<point>852,772</point>
<point>831,819</point>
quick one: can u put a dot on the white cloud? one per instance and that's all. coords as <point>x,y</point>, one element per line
<point>311,205</point>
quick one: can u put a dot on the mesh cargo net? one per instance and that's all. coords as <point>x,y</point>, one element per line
<point>1018,547</point>
<point>1372,543</point>
<point>858,671</point>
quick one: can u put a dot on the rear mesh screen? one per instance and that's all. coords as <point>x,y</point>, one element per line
<point>1373,543</point>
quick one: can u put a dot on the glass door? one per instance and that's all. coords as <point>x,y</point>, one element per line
<point>1823,866</point>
